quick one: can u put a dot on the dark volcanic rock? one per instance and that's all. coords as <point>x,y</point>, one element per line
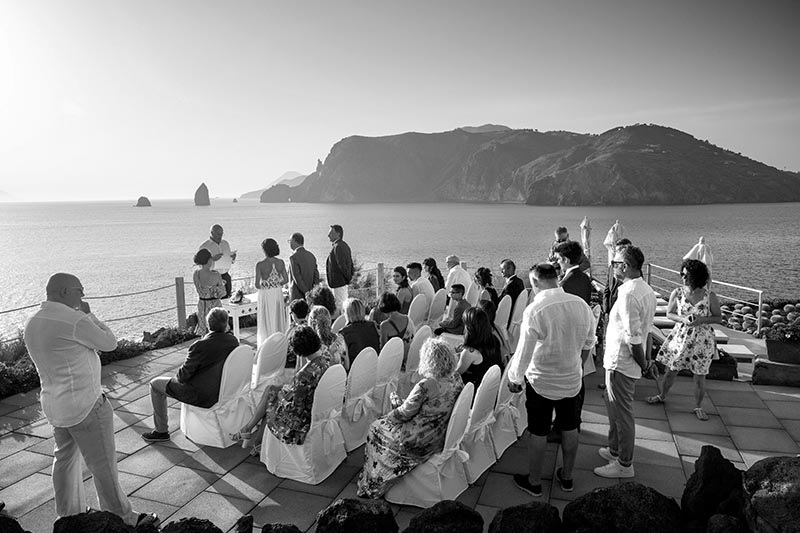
<point>280,528</point>
<point>143,201</point>
<point>9,525</point>
<point>201,195</point>
<point>350,515</point>
<point>714,487</point>
<point>535,516</point>
<point>94,522</point>
<point>772,495</point>
<point>275,194</point>
<point>191,525</point>
<point>627,508</point>
<point>447,516</point>
<point>723,523</point>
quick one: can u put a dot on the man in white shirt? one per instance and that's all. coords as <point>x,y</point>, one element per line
<point>549,359</point>
<point>625,359</point>
<point>419,285</point>
<point>222,256</point>
<point>61,338</point>
<point>457,275</point>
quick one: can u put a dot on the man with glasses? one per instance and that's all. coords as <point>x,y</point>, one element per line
<point>454,322</point>
<point>625,360</point>
<point>61,338</point>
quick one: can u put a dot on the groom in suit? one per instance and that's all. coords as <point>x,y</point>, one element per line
<point>303,273</point>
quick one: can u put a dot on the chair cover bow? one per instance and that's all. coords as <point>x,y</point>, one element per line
<point>478,431</point>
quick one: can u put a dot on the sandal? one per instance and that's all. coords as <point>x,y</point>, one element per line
<point>700,414</point>
<point>655,399</point>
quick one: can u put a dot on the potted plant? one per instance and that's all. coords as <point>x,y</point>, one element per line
<point>783,342</point>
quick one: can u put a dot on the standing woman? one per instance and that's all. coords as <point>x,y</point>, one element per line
<point>690,345</point>
<point>270,279</point>
<point>433,273</point>
<point>210,288</point>
<point>403,292</point>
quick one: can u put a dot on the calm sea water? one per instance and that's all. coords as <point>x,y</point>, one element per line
<point>115,248</point>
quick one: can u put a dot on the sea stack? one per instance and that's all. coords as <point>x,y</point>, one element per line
<point>143,201</point>
<point>201,195</point>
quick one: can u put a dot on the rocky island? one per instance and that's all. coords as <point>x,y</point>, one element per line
<point>143,201</point>
<point>201,195</point>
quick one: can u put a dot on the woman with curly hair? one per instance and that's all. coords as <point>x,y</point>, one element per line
<point>415,429</point>
<point>320,321</point>
<point>483,278</point>
<point>690,345</point>
<point>321,295</point>
<point>432,272</point>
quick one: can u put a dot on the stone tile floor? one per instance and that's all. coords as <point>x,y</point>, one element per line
<point>179,478</point>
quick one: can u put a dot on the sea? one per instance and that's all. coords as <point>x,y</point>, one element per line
<point>117,249</point>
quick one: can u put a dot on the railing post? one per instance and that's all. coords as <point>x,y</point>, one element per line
<point>760,312</point>
<point>180,301</point>
<point>648,274</point>
<point>379,282</point>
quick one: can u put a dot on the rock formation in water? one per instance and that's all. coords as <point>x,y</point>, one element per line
<point>201,195</point>
<point>143,201</point>
<point>641,164</point>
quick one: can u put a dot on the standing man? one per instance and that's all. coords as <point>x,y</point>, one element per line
<point>549,360</point>
<point>419,285</point>
<point>221,255</point>
<point>574,281</point>
<point>513,285</point>
<point>61,338</point>
<point>625,360</point>
<point>303,272</point>
<point>562,236</point>
<point>339,266</point>
<point>456,274</point>
<point>198,379</point>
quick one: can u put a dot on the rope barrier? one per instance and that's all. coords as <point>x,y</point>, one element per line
<point>19,308</point>
<point>139,316</point>
<point>128,293</point>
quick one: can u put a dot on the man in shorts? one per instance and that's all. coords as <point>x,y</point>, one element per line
<point>549,360</point>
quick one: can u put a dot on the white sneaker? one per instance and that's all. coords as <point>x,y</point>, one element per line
<point>614,470</point>
<point>606,454</point>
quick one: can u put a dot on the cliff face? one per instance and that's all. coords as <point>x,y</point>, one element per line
<point>642,164</point>
<point>201,195</point>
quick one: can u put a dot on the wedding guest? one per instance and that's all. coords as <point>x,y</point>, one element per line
<point>320,321</point>
<point>491,312</point>
<point>62,338</point>
<point>210,288</point>
<point>198,379</point>
<point>339,267</point>
<point>303,272</point>
<point>358,332</point>
<point>321,295</point>
<point>419,283</point>
<point>433,273</point>
<point>455,311</point>
<point>513,285</point>
<point>298,313</point>
<point>270,278</point>
<point>415,429</point>
<point>403,291</point>
<point>562,236</point>
<point>483,278</point>
<point>573,280</point>
<point>480,350</point>
<point>456,273</point>
<point>396,324</point>
<point>612,286</point>
<point>221,255</point>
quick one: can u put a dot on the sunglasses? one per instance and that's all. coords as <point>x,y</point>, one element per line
<point>615,263</point>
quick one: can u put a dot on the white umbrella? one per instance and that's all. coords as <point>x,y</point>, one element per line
<point>702,252</point>
<point>615,233</point>
<point>586,234</point>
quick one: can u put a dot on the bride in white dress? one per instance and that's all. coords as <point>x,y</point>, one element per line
<point>270,278</point>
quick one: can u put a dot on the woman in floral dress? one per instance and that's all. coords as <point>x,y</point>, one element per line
<point>210,288</point>
<point>690,345</point>
<point>415,429</point>
<point>270,278</point>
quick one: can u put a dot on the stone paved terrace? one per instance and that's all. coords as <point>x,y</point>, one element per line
<point>179,478</point>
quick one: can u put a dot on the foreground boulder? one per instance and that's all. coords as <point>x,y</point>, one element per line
<point>280,528</point>
<point>92,521</point>
<point>447,516</point>
<point>350,515</point>
<point>715,487</point>
<point>535,516</point>
<point>772,495</point>
<point>724,523</point>
<point>10,525</point>
<point>191,525</point>
<point>626,508</point>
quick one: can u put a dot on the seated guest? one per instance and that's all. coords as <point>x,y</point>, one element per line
<point>396,323</point>
<point>286,410</point>
<point>491,312</point>
<point>480,349</point>
<point>419,283</point>
<point>483,278</point>
<point>573,281</point>
<point>415,429</point>
<point>358,332</point>
<point>321,295</point>
<point>298,311</point>
<point>198,379</point>
<point>454,323</point>
<point>432,272</point>
<point>403,291</point>
<point>320,321</point>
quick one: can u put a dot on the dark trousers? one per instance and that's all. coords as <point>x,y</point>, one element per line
<point>226,277</point>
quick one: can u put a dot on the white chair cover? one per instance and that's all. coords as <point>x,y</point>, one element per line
<point>410,377</point>
<point>442,476</point>
<point>359,409</point>
<point>516,319</point>
<point>323,449</point>
<point>339,323</point>
<point>437,308</point>
<point>418,310</point>
<point>389,362</point>
<point>478,436</point>
<point>270,365</point>
<point>507,417</point>
<point>212,426</point>
<point>502,314</point>
<point>473,291</point>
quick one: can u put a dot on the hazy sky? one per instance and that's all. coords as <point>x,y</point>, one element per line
<point>103,99</point>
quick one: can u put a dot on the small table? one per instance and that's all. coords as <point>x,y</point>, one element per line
<point>248,306</point>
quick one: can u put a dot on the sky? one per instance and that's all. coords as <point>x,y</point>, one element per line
<point>112,99</point>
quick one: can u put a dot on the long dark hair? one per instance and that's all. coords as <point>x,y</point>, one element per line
<point>478,334</point>
<point>430,262</point>
<point>403,282</point>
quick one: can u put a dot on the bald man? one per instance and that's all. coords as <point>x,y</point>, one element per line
<point>221,254</point>
<point>62,337</point>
